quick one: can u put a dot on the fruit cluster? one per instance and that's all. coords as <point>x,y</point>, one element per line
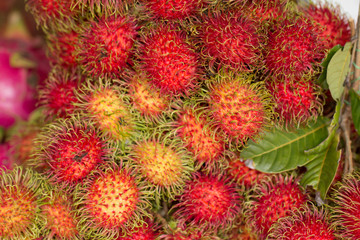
<point>145,113</point>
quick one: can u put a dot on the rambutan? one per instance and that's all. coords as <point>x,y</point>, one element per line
<point>210,201</point>
<point>230,40</point>
<point>266,11</point>
<point>147,100</point>
<point>59,213</point>
<point>304,223</point>
<point>108,106</point>
<point>294,47</point>
<point>61,48</point>
<point>106,46</point>
<point>241,108</point>
<point>57,95</point>
<point>163,162</point>
<point>297,100</point>
<point>148,231</point>
<point>112,201</point>
<point>70,149</point>
<point>275,197</point>
<point>346,212</point>
<point>243,175</point>
<point>173,10</point>
<point>54,14</point>
<point>104,7</point>
<point>170,60</point>
<point>332,25</point>
<point>20,204</point>
<point>183,231</point>
<point>199,137</point>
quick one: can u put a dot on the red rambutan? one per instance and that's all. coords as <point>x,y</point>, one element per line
<point>303,223</point>
<point>173,9</point>
<point>112,201</point>
<point>243,175</point>
<point>52,13</point>
<point>266,11</point>
<point>241,109</point>
<point>297,100</point>
<point>20,204</point>
<point>346,212</point>
<point>200,138</point>
<point>106,47</point>
<point>57,95</point>
<point>230,40</point>
<point>294,47</point>
<point>275,197</point>
<point>210,201</point>
<point>170,60</point>
<point>61,48</point>
<point>183,231</point>
<point>71,148</point>
<point>148,231</point>
<point>333,26</point>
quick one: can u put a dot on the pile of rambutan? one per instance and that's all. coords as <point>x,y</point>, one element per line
<point>143,118</point>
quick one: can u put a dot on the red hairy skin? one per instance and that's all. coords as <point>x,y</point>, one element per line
<point>241,109</point>
<point>230,40</point>
<point>303,223</point>
<point>57,96</point>
<point>243,175</point>
<point>294,48</point>
<point>188,232</point>
<point>297,99</point>
<point>210,201</point>
<point>271,200</point>
<point>199,138</point>
<point>62,48</point>
<point>266,11</point>
<point>170,61</point>
<point>173,9</point>
<point>52,13</point>
<point>148,231</point>
<point>112,202</point>
<point>71,148</point>
<point>333,26</point>
<point>346,212</point>
<point>106,47</point>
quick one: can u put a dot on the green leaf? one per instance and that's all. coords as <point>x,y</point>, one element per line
<point>355,109</point>
<point>321,170</point>
<point>322,79</point>
<point>280,150</point>
<point>337,71</point>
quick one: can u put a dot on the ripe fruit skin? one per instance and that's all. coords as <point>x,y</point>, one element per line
<point>71,149</point>
<point>303,223</point>
<point>19,205</point>
<point>297,99</point>
<point>108,106</point>
<point>169,60</point>
<point>184,231</point>
<point>243,175</point>
<point>266,11</point>
<point>112,200</point>
<point>271,200</point>
<point>240,108</point>
<point>294,48</point>
<point>106,47</point>
<point>148,231</point>
<point>57,95</point>
<point>147,100</point>
<point>172,10</point>
<point>346,212</point>
<point>164,163</point>
<point>210,201</point>
<point>52,13</point>
<point>200,138</point>
<point>61,48</point>
<point>333,26</point>
<point>58,211</point>
<point>230,40</point>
